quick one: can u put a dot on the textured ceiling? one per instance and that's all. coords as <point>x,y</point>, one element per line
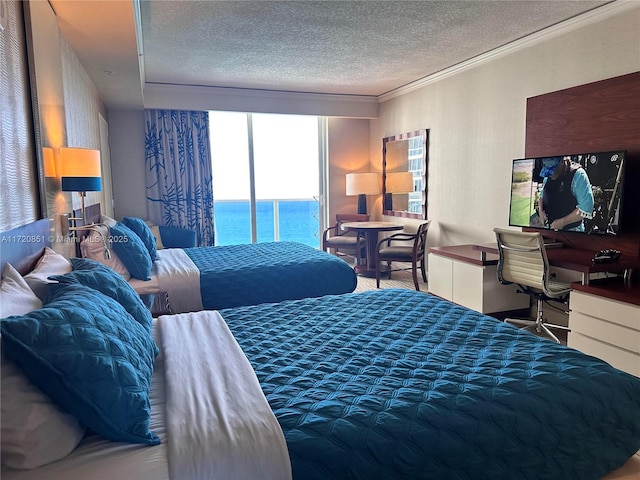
<point>338,47</point>
<point>342,47</point>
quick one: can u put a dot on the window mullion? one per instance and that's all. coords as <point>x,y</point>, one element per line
<point>252,181</point>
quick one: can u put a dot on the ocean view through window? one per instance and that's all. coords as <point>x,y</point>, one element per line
<point>266,177</point>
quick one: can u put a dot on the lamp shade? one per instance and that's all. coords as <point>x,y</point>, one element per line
<point>80,170</point>
<point>399,182</point>
<point>363,183</point>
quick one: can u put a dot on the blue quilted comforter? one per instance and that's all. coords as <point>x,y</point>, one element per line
<point>397,384</point>
<point>236,275</point>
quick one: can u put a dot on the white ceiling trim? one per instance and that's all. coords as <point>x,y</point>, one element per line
<point>173,96</point>
<point>593,16</point>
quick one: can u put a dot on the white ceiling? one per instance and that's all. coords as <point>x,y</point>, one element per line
<point>335,47</point>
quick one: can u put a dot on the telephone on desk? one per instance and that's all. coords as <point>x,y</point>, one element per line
<point>608,255</point>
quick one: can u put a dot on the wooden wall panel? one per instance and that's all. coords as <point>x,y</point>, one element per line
<point>598,116</point>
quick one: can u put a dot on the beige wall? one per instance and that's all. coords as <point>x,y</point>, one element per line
<point>82,106</point>
<point>476,120</point>
<point>348,151</point>
<point>126,128</point>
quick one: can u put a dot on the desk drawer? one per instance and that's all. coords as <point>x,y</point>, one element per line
<point>605,331</point>
<point>618,358</point>
<point>613,311</point>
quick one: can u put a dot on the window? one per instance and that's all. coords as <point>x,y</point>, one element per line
<point>267,177</point>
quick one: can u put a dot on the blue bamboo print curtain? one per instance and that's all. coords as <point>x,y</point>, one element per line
<point>178,171</point>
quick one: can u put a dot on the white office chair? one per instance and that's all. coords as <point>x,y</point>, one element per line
<point>523,261</point>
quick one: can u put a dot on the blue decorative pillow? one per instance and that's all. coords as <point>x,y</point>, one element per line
<point>94,274</point>
<point>131,251</point>
<point>91,357</point>
<point>143,231</point>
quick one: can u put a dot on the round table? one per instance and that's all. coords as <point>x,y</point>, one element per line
<point>370,231</point>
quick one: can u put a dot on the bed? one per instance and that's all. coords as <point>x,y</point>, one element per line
<point>379,384</point>
<point>218,277</point>
<point>236,275</point>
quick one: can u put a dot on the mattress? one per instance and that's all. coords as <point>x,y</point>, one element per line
<point>398,384</point>
<point>249,274</point>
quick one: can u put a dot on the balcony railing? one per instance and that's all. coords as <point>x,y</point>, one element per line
<point>276,220</point>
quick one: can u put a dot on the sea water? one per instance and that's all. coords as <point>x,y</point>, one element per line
<point>298,221</point>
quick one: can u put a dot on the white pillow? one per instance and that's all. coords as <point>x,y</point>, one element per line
<point>108,221</point>
<point>16,297</point>
<point>51,263</point>
<point>93,247</point>
<point>34,431</point>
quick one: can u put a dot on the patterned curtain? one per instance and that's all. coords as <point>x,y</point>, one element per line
<point>178,166</point>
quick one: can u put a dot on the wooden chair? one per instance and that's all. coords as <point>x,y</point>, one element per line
<point>412,252</point>
<point>342,242</point>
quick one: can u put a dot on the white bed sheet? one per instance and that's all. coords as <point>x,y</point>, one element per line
<point>147,287</point>
<point>219,413</point>
<point>175,274</point>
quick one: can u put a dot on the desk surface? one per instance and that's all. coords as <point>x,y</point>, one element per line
<point>467,253</point>
<point>576,259</point>
<point>568,258</point>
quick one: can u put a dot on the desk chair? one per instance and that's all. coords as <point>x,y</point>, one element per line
<point>413,252</point>
<point>344,242</point>
<point>523,261</point>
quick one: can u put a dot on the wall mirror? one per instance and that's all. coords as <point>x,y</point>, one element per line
<point>405,174</point>
<point>45,72</point>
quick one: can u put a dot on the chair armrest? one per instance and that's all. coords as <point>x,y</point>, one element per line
<point>176,237</point>
<point>400,237</point>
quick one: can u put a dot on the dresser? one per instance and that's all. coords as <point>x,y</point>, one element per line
<point>605,326</point>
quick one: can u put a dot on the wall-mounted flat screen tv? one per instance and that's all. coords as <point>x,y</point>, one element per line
<point>581,193</point>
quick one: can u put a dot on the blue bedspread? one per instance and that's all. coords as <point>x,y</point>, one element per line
<point>236,275</point>
<point>397,384</point>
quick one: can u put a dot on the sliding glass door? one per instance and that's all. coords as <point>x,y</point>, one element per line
<point>267,177</point>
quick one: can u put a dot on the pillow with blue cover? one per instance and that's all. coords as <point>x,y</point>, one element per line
<point>35,431</point>
<point>87,353</point>
<point>143,231</point>
<point>94,274</point>
<point>131,251</point>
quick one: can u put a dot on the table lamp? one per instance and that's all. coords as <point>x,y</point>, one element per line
<point>397,182</point>
<point>80,172</point>
<point>363,184</point>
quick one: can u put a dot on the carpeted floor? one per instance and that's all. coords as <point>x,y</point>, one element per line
<point>400,279</point>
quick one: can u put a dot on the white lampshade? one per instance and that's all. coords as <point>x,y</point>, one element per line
<point>363,183</point>
<point>399,182</point>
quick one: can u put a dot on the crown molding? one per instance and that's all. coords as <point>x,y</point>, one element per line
<point>198,97</point>
<point>598,14</point>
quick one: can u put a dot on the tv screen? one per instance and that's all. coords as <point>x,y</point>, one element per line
<point>581,193</point>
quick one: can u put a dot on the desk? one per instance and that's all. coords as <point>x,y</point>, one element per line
<point>370,231</point>
<point>577,260</point>
<point>468,276</point>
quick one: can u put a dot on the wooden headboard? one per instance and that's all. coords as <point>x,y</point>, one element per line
<point>596,117</point>
<point>23,246</point>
